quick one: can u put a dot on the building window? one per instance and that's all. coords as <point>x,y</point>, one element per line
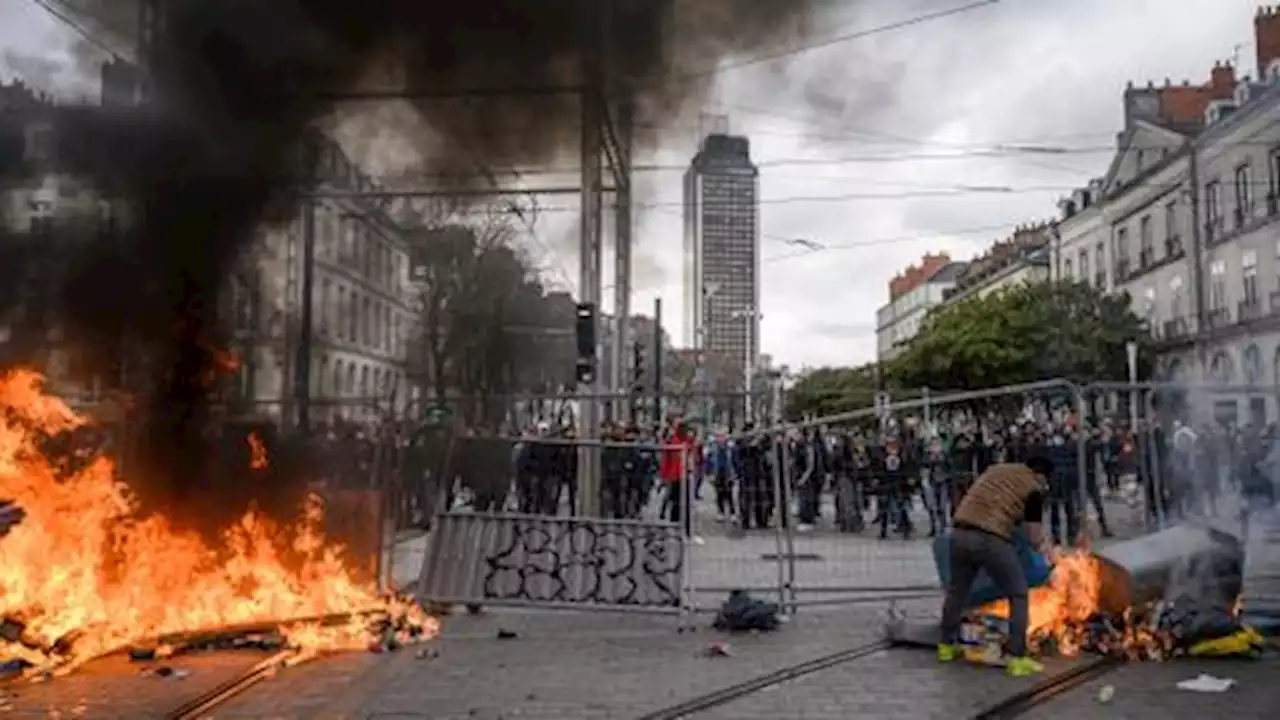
<point>1146,253</point>
<point>321,379</point>
<point>1066,269</point>
<point>1217,285</point>
<point>1122,254</point>
<point>1084,265</point>
<point>340,320</point>
<point>1149,304</point>
<point>1274,168</point>
<point>1212,207</point>
<point>366,332</point>
<point>1249,276</point>
<point>353,318</point>
<point>337,378</point>
<point>1172,241</point>
<point>326,311</point>
<point>1177,301</point>
<point>1244,195</point>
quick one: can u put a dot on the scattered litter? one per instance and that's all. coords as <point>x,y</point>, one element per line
<point>165,671</point>
<point>719,649</point>
<point>1106,693</point>
<point>427,654</point>
<point>741,613</point>
<point>507,635</point>
<point>1207,684</point>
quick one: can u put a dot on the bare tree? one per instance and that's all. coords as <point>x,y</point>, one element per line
<point>486,317</point>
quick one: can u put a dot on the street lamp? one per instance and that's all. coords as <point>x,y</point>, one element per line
<point>749,363</point>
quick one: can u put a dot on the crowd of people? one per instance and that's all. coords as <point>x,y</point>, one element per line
<point>850,478</point>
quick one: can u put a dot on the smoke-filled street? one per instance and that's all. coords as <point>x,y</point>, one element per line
<point>638,359</point>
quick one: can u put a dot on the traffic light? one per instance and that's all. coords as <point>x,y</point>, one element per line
<point>637,367</point>
<point>585,370</point>
<point>586,330</point>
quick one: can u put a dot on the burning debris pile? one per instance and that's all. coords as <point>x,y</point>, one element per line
<point>1081,610</point>
<point>86,573</point>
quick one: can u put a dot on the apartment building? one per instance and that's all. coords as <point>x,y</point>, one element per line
<point>912,293</point>
<point>1185,222</point>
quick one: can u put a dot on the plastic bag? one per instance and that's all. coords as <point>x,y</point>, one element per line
<point>1034,564</point>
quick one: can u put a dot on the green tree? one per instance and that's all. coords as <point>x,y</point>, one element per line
<point>832,390</point>
<point>1023,334</point>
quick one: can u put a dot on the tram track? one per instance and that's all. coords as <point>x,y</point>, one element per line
<point>726,695</point>
<point>1020,703</point>
<point>223,693</point>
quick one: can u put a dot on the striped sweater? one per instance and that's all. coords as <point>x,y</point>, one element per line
<point>998,498</point>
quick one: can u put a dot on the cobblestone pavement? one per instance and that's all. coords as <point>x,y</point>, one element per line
<point>1148,691</point>
<point>117,688</point>
<point>905,684</point>
<point>560,667</point>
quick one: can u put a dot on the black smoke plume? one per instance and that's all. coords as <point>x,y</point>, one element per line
<point>236,86</point>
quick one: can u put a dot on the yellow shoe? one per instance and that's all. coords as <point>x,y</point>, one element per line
<point>948,653</point>
<point>1022,666</point>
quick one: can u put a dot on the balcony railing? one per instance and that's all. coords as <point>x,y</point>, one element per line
<point>1173,246</point>
<point>1175,329</point>
<point>1219,317</point>
<point>1210,231</point>
<point>1146,258</point>
<point>1249,309</point>
<point>1122,269</point>
<point>1238,216</point>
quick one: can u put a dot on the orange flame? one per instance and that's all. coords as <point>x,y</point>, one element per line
<point>257,452</point>
<point>1060,608</point>
<point>86,573</point>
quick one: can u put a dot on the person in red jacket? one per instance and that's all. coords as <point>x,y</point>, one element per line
<point>672,469</point>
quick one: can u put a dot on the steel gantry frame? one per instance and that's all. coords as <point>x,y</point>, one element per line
<point>606,146</point>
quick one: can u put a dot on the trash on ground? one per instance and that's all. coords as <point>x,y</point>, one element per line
<point>165,671</point>
<point>1106,693</point>
<point>427,654</point>
<point>1207,684</point>
<point>719,649</point>
<point>507,635</point>
<point>743,613</point>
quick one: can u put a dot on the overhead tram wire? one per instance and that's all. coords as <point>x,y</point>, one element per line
<point>63,15</point>
<point>696,75</point>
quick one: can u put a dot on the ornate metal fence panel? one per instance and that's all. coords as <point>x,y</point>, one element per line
<point>533,560</point>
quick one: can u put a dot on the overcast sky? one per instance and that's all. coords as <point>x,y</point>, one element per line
<point>901,116</point>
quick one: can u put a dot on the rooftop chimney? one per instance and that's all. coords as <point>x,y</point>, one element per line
<point>1266,37</point>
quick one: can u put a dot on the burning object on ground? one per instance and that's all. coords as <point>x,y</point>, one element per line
<point>88,574</point>
<point>1113,602</point>
<point>10,515</point>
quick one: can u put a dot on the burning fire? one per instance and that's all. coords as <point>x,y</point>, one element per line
<point>1060,609</point>
<point>86,574</point>
<point>257,452</point>
<point>1069,614</point>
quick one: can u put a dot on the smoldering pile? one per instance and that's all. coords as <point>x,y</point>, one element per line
<point>235,86</point>
<point>1153,632</point>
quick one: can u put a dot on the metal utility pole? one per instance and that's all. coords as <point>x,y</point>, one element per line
<point>590,256</point>
<point>618,147</point>
<point>657,361</point>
